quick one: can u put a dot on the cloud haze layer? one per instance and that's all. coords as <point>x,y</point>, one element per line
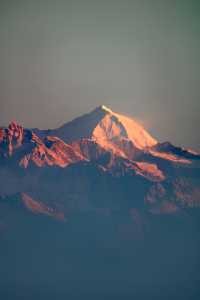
<point>60,59</point>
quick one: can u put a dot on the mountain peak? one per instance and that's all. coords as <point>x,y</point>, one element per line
<point>107,128</point>
<point>104,109</point>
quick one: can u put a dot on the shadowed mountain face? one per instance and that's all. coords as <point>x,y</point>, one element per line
<point>97,208</point>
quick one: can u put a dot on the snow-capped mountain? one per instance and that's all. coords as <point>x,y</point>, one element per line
<point>98,186</point>
<point>108,129</point>
<point>112,143</point>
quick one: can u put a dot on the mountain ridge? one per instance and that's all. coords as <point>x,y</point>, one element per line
<point>96,200</point>
<point>98,139</point>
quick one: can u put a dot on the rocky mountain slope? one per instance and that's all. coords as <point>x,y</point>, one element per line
<point>100,180</point>
<point>116,146</point>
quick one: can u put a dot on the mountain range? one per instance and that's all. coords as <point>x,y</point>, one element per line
<point>102,189</point>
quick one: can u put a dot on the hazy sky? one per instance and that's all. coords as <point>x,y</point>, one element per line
<point>60,59</point>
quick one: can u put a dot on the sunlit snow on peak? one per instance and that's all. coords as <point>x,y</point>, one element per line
<point>104,108</point>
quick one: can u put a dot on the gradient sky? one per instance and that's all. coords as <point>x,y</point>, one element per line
<point>60,59</point>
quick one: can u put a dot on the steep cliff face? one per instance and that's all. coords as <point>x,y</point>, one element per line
<point>12,138</point>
